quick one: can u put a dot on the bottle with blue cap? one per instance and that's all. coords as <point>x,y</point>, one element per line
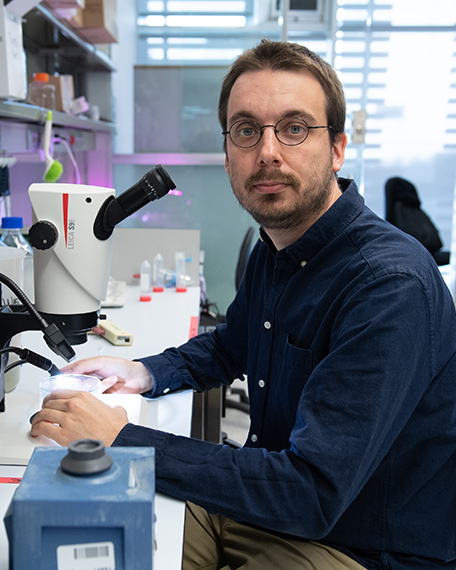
<point>12,236</point>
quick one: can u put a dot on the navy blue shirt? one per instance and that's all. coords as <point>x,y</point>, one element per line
<point>348,339</point>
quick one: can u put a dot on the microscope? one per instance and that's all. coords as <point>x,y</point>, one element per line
<point>71,236</point>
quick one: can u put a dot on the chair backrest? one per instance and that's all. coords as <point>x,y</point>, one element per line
<point>398,189</point>
<point>403,209</point>
<point>243,257</point>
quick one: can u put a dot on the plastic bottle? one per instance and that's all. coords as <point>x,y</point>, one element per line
<point>12,237</point>
<point>179,258</point>
<point>40,92</point>
<point>145,281</point>
<point>158,274</point>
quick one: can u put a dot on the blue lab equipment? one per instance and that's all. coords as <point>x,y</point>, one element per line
<point>80,508</point>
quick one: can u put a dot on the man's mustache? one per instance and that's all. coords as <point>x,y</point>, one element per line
<point>279,177</point>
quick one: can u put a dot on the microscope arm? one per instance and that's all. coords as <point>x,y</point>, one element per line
<point>21,318</point>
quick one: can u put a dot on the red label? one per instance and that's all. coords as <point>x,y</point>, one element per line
<point>193,327</point>
<point>14,480</point>
<point>65,217</point>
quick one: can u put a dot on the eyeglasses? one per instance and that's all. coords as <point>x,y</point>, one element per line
<point>246,133</point>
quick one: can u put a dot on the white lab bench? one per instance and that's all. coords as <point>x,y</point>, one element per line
<point>168,320</point>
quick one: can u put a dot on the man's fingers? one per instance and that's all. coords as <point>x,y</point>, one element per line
<point>108,383</point>
<point>51,431</point>
<point>68,415</point>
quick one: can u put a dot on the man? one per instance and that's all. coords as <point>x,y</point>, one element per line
<point>347,334</point>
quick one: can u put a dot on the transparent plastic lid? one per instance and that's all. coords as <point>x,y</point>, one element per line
<point>71,382</point>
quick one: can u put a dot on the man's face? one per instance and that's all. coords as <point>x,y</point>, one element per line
<point>281,186</point>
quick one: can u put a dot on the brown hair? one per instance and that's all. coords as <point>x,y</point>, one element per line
<point>288,56</point>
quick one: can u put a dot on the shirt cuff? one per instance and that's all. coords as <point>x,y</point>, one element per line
<point>132,435</point>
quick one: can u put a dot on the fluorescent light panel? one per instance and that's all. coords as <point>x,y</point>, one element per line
<point>199,6</point>
<point>205,21</point>
<point>206,6</point>
<point>187,41</point>
<point>193,21</point>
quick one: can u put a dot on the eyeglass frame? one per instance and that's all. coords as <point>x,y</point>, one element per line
<point>228,132</point>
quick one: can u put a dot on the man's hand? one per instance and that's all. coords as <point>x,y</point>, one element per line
<point>118,375</point>
<point>68,415</point>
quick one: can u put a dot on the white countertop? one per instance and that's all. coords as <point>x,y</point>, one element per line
<point>168,320</point>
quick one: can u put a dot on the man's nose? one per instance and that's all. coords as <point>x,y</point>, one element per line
<point>269,146</point>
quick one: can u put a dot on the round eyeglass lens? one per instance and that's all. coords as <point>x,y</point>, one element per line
<point>245,133</point>
<point>291,131</point>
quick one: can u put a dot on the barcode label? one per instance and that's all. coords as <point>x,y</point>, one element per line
<point>91,552</point>
<point>92,556</point>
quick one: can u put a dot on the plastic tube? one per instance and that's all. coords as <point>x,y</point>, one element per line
<point>181,286</point>
<point>145,281</point>
<point>158,275</point>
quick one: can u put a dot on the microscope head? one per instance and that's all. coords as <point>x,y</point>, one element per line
<point>72,240</point>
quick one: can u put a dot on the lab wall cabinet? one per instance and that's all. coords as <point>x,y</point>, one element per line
<point>82,145</point>
<point>52,46</point>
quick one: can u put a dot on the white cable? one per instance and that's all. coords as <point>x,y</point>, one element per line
<point>71,155</point>
<point>7,200</point>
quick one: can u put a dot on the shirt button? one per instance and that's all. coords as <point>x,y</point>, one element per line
<point>267,325</point>
<point>303,263</point>
<point>254,437</point>
<point>166,390</point>
<point>261,383</point>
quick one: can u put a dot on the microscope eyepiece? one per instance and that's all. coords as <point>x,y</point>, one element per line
<point>153,185</point>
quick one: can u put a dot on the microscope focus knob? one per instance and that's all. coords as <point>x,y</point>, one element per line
<point>43,235</point>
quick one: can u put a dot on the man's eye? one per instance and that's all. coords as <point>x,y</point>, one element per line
<point>246,130</point>
<point>293,129</point>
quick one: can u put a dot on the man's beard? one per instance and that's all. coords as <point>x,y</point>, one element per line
<point>310,201</point>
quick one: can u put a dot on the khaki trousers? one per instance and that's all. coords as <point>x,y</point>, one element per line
<point>214,542</point>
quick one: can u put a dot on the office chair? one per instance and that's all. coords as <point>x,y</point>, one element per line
<point>243,404</point>
<point>403,210</point>
<point>209,315</point>
<point>210,404</point>
<point>243,257</point>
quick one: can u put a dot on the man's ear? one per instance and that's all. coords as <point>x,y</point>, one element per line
<point>338,154</point>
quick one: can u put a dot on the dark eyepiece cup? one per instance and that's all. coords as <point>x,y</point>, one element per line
<point>153,185</point>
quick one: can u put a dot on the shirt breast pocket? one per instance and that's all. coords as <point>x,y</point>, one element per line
<point>297,365</point>
<point>297,358</point>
